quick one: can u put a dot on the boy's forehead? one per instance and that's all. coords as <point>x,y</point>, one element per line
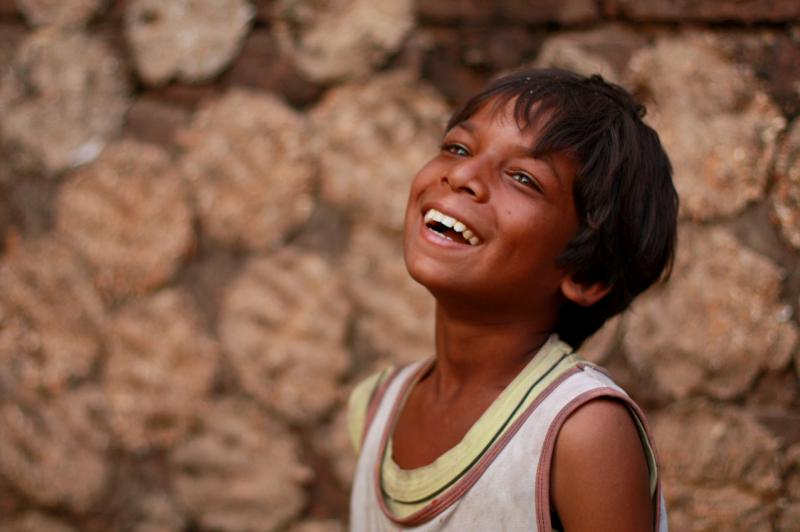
<point>504,109</point>
<point>532,117</point>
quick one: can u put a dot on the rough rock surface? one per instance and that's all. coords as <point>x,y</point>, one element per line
<point>716,324</point>
<point>160,368</point>
<point>283,324</point>
<point>565,12</point>
<point>605,51</point>
<point>261,66</point>
<point>61,13</point>
<point>331,40</point>
<point>191,40</point>
<point>730,476</point>
<point>718,127</point>
<point>395,314</point>
<point>53,450</point>
<point>35,522</point>
<point>374,137</point>
<point>786,191</point>
<point>714,10</point>
<point>64,97</point>
<point>775,58</point>
<point>128,214</point>
<point>49,318</point>
<point>251,167</point>
<point>241,472</point>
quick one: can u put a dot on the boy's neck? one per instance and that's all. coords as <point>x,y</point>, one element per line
<point>480,352</point>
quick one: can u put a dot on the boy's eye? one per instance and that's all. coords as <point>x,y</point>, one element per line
<point>526,180</point>
<point>455,149</point>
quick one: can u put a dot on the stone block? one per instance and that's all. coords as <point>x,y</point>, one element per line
<point>335,40</point>
<point>717,324</point>
<point>64,98</point>
<point>719,128</point>
<point>128,214</point>
<point>373,138</point>
<point>250,164</point>
<point>282,325</point>
<point>241,471</point>
<point>188,40</point>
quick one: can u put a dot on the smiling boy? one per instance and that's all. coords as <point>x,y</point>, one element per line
<point>548,208</point>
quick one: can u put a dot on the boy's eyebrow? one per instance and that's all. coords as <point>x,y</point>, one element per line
<point>548,160</point>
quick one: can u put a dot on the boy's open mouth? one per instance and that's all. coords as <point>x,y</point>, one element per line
<point>450,228</point>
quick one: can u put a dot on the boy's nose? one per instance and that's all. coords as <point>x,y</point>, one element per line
<point>467,177</point>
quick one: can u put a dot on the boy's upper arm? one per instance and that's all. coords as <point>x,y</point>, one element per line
<point>600,478</point>
<point>358,404</point>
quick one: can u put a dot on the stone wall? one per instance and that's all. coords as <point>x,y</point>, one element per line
<point>200,210</point>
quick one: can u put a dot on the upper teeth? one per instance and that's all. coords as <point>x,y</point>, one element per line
<point>456,225</point>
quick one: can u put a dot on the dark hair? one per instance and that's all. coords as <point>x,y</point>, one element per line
<point>626,203</point>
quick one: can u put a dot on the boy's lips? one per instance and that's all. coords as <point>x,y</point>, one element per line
<point>445,226</point>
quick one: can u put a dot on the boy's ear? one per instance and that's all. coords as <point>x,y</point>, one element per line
<point>583,294</point>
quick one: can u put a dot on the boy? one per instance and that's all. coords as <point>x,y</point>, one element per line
<point>549,207</point>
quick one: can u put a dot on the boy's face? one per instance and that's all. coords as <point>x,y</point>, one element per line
<point>515,216</point>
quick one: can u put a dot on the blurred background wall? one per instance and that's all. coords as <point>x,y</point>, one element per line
<point>200,210</point>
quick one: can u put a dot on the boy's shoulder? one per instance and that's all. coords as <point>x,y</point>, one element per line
<point>358,404</point>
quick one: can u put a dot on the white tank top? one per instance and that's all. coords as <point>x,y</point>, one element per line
<point>508,487</point>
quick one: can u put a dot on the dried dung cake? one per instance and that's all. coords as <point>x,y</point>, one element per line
<point>717,323</point>
<point>160,368</point>
<point>188,40</point>
<point>46,444</point>
<point>718,127</point>
<point>282,324</point>
<point>64,97</point>
<point>240,472</point>
<point>333,40</point>
<point>374,137</point>
<point>61,13</point>
<point>395,314</point>
<point>128,214</point>
<point>50,317</point>
<point>251,168</point>
<point>731,475</point>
